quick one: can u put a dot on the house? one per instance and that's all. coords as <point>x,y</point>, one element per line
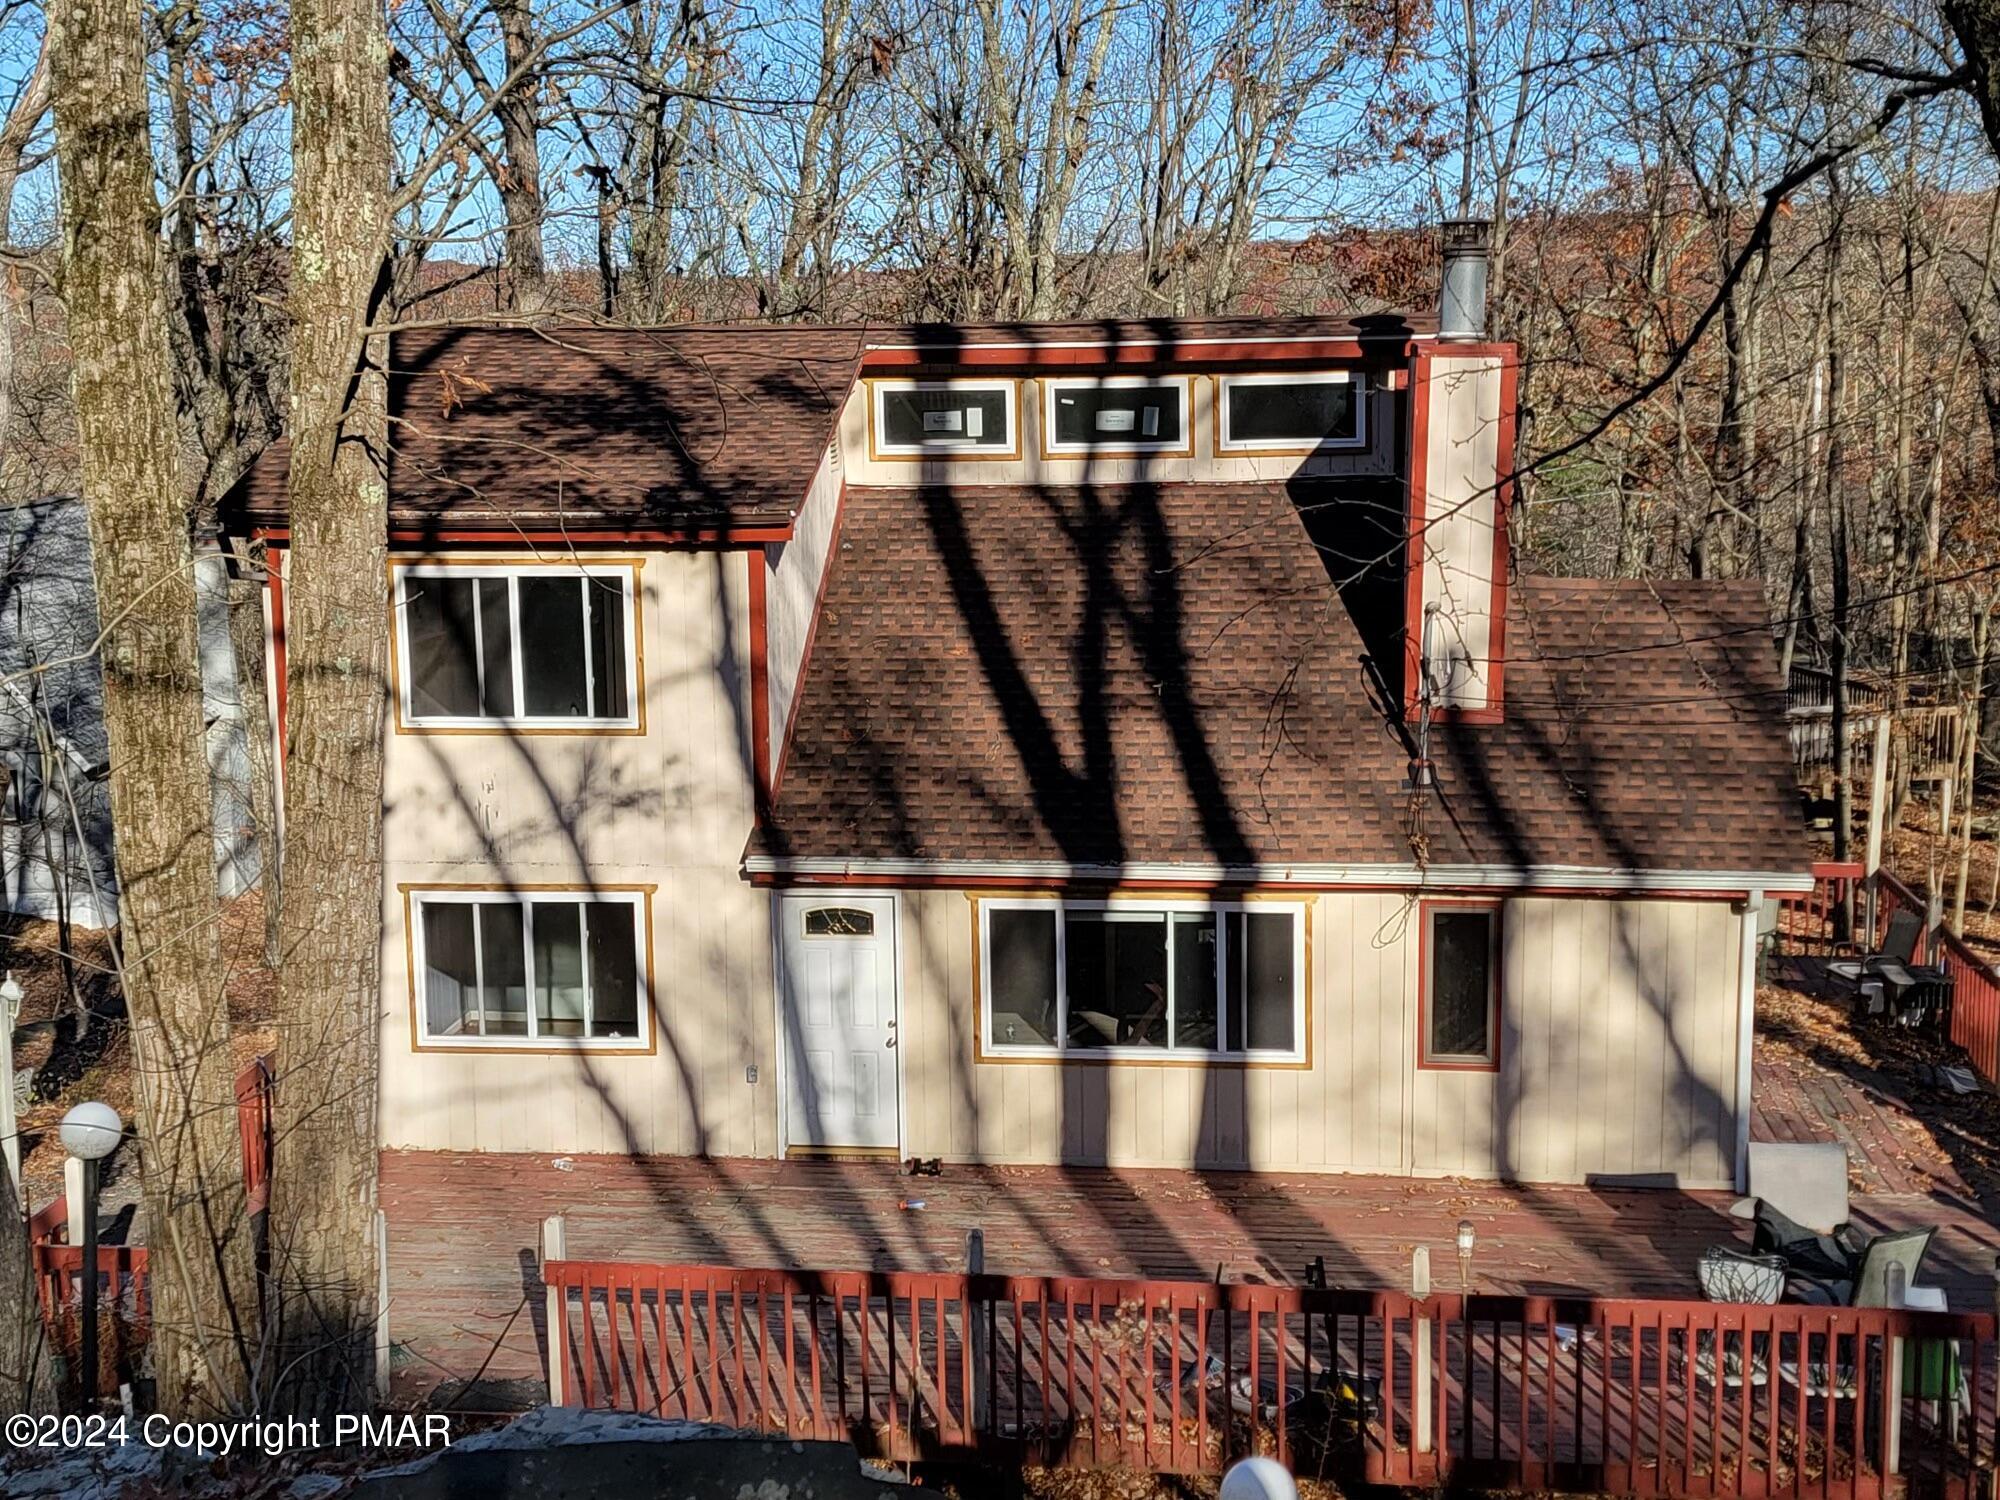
<point>56,850</point>
<point>1112,742</point>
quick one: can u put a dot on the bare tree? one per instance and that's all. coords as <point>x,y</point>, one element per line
<point>323,1242</point>
<point>203,1297</point>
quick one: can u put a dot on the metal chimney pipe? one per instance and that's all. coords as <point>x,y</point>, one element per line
<point>1462,298</point>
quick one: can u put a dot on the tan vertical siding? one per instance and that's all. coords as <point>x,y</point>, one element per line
<point>669,808</point>
<point>1619,1027</point>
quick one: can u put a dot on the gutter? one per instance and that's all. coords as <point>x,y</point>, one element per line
<point>1736,883</point>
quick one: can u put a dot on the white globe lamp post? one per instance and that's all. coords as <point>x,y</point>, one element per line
<point>1259,1479</point>
<point>90,1132</point>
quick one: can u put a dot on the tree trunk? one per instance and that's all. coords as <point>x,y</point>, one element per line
<point>1969,759</point>
<point>15,133</point>
<point>203,1287</point>
<point>1837,545</point>
<point>521,188</point>
<point>322,1222</point>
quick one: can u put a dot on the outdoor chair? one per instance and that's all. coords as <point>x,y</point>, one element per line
<point>1891,1261</point>
<point>1730,1275</point>
<point>1912,994</point>
<point>1886,1253</point>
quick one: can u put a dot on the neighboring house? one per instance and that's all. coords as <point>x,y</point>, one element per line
<point>997,743</point>
<point>56,848</point>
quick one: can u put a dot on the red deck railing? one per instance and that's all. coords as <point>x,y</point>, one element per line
<point>1661,1398</point>
<point>1975,995</point>
<point>124,1300</point>
<point>1812,921</point>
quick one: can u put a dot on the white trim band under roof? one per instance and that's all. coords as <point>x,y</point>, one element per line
<point>964,347</point>
<point>1436,877</point>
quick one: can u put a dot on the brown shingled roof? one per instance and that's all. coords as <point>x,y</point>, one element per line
<point>1112,675</point>
<point>598,428</point>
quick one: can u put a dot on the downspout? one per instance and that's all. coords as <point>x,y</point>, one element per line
<point>1421,775</point>
<point>1746,1030</point>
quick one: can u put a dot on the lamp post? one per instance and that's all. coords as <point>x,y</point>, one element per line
<point>1468,1237</point>
<point>90,1132</point>
<point>10,1129</point>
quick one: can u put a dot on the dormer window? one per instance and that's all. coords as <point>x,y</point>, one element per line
<point>1117,414</point>
<point>1290,413</point>
<point>942,418</point>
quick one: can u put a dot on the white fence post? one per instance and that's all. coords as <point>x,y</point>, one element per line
<point>555,1247</point>
<point>1420,1369</point>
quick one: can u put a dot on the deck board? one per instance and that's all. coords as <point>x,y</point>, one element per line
<point>463,1228</point>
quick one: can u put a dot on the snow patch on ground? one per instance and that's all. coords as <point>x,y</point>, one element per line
<point>562,1426</point>
<point>81,1474</point>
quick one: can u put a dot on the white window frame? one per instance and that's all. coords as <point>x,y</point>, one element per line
<point>587,576</point>
<point>1224,443</point>
<point>634,902</point>
<point>878,426</point>
<point>1053,387</point>
<point>1296,1053</point>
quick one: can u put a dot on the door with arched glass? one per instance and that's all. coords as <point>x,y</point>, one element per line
<point>837,1016</point>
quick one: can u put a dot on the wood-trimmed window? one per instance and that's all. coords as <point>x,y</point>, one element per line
<point>496,646</point>
<point>942,419</point>
<point>1459,1020</point>
<point>536,969</point>
<point>1143,979</point>
<point>1307,411</point>
<point>1115,414</point>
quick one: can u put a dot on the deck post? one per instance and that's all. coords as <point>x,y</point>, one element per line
<point>975,1334</point>
<point>1878,797</point>
<point>1892,1417</point>
<point>1420,1364</point>
<point>556,1319</point>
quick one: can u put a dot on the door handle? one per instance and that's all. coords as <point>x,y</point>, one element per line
<point>890,1045</point>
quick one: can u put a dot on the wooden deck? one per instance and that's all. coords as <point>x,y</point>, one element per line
<point>462,1235</point>
<point>462,1229</point>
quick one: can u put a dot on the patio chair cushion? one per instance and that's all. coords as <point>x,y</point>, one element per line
<point>1805,1182</point>
<point>1807,1253</point>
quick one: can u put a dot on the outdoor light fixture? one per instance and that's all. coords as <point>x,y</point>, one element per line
<point>1468,1238</point>
<point>90,1132</point>
<point>1258,1479</point>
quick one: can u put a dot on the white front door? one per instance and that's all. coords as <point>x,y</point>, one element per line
<point>837,1011</point>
